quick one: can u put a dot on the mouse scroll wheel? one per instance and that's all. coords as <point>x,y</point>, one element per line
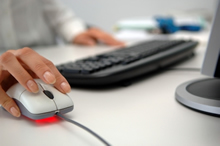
<point>48,94</point>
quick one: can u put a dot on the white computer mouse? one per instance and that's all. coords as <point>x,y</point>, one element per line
<point>46,103</point>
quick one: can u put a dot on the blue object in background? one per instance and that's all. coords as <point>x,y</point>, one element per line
<point>167,25</point>
<point>190,27</point>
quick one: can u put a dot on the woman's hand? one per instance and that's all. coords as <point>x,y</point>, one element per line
<point>93,36</point>
<point>23,65</point>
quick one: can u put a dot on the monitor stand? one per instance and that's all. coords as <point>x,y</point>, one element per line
<point>201,94</point>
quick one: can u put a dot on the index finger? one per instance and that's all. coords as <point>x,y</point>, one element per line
<point>61,83</point>
<point>43,68</point>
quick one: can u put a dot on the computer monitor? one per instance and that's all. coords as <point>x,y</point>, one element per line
<point>204,94</point>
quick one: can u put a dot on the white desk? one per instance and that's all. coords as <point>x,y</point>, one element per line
<point>143,114</point>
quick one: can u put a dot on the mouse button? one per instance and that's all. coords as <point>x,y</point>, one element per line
<point>37,103</point>
<point>43,85</point>
<point>15,91</point>
<point>62,100</point>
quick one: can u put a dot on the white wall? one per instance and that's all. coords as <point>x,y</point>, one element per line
<point>104,13</point>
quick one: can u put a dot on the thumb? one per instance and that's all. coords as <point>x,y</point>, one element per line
<point>9,104</point>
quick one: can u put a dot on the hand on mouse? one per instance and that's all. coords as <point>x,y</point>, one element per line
<point>94,35</point>
<point>23,65</point>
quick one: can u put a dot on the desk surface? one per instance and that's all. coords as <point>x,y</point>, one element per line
<point>143,114</point>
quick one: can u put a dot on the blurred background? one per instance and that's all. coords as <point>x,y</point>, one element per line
<point>105,14</point>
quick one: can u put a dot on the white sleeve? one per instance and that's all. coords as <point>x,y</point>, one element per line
<point>62,19</point>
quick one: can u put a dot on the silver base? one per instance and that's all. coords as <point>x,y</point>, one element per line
<point>201,94</point>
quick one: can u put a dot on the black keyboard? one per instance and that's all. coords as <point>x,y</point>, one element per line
<point>121,65</point>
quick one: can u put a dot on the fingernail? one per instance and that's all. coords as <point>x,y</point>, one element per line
<point>32,86</point>
<point>65,87</point>
<point>49,77</point>
<point>15,112</point>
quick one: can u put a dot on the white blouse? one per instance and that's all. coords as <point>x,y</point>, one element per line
<point>27,23</point>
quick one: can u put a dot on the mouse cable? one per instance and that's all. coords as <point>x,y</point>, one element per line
<point>83,127</point>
